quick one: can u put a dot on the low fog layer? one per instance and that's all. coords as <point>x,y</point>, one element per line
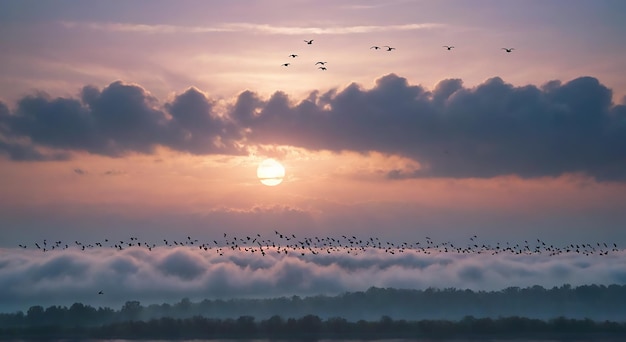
<point>168,274</point>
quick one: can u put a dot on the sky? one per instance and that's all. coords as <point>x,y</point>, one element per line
<point>149,119</point>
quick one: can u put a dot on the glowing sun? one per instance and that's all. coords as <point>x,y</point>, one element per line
<point>270,172</point>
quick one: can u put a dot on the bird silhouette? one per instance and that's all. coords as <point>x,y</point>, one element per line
<point>389,48</point>
<point>309,41</point>
<point>508,49</point>
<point>322,63</point>
<point>449,47</point>
<point>286,64</point>
<point>375,47</point>
<point>293,55</point>
<point>322,68</point>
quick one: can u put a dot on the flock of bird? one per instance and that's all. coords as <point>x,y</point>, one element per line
<point>375,47</point>
<point>289,244</point>
<point>293,55</point>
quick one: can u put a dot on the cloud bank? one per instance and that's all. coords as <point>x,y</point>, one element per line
<point>245,27</point>
<point>32,277</point>
<point>489,130</point>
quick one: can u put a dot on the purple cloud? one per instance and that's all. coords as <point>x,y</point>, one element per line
<point>489,130</point>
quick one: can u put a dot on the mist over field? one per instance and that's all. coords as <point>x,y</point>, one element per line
<point>169,274</point>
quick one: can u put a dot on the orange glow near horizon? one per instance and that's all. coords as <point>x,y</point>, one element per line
<point>191,183</point>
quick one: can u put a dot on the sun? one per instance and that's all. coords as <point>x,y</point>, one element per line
<point>270,172</point>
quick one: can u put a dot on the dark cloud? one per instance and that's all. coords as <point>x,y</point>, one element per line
<point>489,130</point>
<point>197,129</point>
<point>27,152</point>
<point>4,115</point>
<point>119,119</point>
<point>20,151</point>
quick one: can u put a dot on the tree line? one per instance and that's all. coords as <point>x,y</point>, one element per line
<point>313,327</point>
<point>596,302</point>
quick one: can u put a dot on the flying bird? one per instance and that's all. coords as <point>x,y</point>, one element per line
<point>322,63</point>
<point>375,47</point>
<point>449,47</point>
<point>508,49</point>
<point>323,68</point>
<point>100,292</point>
<point>389,48</point>
<point>286,64</point>
<point>309,41</point>
<point>293,55</point>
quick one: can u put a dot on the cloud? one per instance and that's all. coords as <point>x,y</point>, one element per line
<point>26,152</point>
<point>290,30</point>
<point>182,265</point>
<point>20,150</point>
<point>31,277</point>
<point>113,172</point>
<point>4,113</point>
<point>119,119</point>
<point>245,27</point>
<point>258,218</point>
<point>361,6</point>
<point>58,267</point>
<point>197,127</point>
<point>490,130</point>
<point>141,28</point>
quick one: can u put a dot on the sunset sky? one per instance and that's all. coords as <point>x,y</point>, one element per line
<point>149,118</point>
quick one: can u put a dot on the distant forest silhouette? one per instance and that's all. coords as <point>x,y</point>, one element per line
<point>589,309</point>
<point>312,327</point>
